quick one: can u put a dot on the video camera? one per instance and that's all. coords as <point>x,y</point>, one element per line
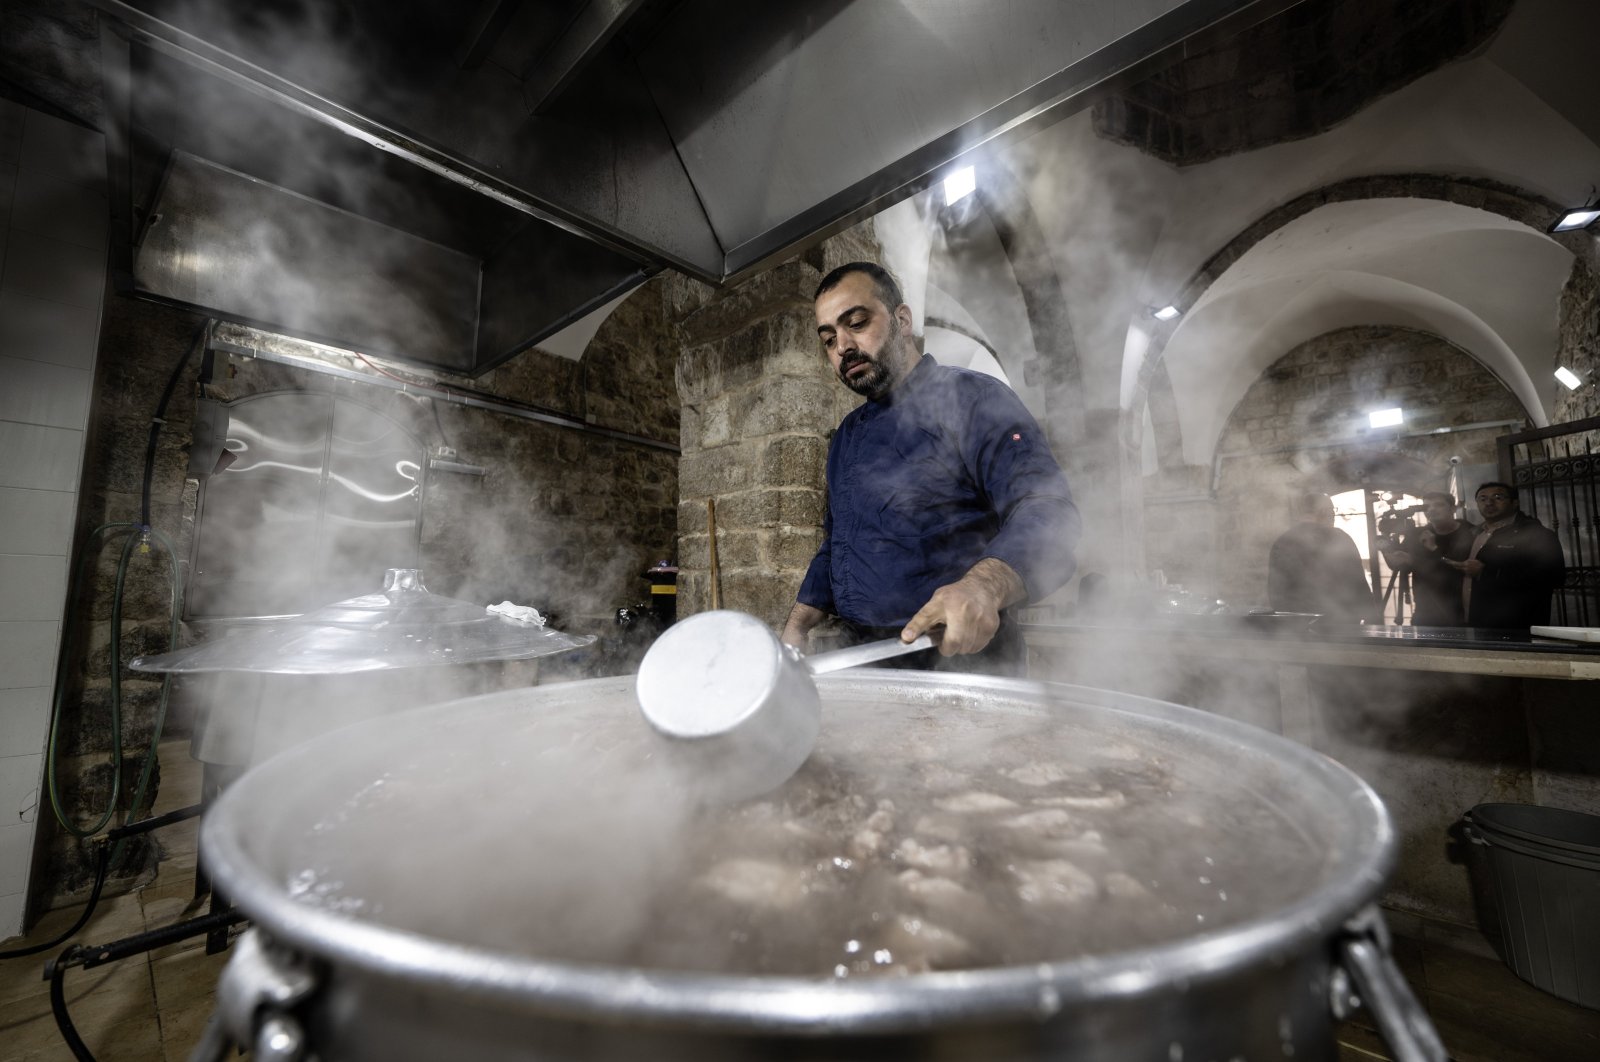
<point>1395,523</point>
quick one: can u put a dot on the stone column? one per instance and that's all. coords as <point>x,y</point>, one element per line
<point>759,406</point>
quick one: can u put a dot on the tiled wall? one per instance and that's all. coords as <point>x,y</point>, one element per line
<point>53,223</point>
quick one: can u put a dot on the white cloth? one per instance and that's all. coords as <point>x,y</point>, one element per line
<point>521,613</point>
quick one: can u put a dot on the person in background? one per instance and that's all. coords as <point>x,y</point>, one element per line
<point>1514,567</point>
<point>1315,567</point>
<point>1435,585</point>
<point>945,505</point>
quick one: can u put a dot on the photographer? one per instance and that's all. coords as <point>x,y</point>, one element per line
<point>1424,553</point>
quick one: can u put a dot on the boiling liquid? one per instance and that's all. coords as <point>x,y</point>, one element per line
<point>944,833</point>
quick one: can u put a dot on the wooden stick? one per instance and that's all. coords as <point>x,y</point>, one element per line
<point>711,529</point>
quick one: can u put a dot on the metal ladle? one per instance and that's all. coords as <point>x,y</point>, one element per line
<point>723,684</point>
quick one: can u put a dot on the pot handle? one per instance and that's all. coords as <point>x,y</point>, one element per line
<point>1367,974</point>
<point>256,995</point>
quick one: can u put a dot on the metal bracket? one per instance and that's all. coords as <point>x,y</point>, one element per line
<point>256,997</point>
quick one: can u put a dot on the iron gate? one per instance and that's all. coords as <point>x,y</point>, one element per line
<point>1556,471</point>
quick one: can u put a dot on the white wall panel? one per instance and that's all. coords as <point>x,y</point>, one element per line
<point>36,521</point>
<point>36,392</point>
<point>39,457</point>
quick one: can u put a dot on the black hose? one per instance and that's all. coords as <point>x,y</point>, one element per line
<point>58,1007</point>
<point>102,864</point>
<point>160,418</point>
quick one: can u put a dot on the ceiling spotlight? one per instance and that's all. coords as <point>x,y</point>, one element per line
<point>959,185</point>
<point>1576,218</point>
<point>1570,379</point>
<point>1166,313</point>
<point>1386,418</point>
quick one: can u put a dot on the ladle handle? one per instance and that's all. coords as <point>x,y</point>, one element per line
<point>866,653</point>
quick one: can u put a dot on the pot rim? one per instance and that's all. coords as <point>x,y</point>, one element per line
<point>824,1005</point>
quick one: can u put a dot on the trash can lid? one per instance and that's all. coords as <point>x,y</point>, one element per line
<point>1574,831</point>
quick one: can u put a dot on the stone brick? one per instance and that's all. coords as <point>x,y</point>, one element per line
<point>715,424</point>
<point>791,548</point>
<point>692,518</point>
<point>794,461</point>
<point>712,368</point>
<point>736,548</point>
<point>784,404</point>
<point>787,287</point>
<point>86,725</point>
<point>762,507</point>
<point>765,595</point>
<point>802,507</point>
<point>723,470</point>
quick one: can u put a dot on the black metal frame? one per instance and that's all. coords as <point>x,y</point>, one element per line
<point>1556,471</point>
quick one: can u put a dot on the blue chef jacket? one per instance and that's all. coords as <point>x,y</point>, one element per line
<point>946,469</point>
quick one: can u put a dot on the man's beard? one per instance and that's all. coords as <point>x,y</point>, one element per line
<point>875,381</point>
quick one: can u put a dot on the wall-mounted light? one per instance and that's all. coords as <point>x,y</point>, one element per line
<point>1571,380</point>
<point>1386,418</point>
<point>1166,313</point>
<point>959,185</point>
<point>1577,217</point>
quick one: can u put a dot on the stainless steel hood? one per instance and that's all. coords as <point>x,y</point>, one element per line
<point>534,159</point>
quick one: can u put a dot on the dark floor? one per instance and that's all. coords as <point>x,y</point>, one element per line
<point>1483,1011</point>
<point>152,1009</point>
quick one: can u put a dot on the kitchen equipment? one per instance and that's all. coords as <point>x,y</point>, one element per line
<point>1536,871</point>
<point>404,626</point>
<point>536,931</point>
<point>1568,634</point>
<point>738,700</point>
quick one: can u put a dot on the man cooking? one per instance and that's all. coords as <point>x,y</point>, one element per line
<point>945,505</point>
<point>1425,551</point>
<point>1515,565</point>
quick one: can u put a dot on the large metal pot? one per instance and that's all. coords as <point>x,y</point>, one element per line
<point>313,979</point>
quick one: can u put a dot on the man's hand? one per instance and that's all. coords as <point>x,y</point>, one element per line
<point>1470,568</point>
<point>969,609</point>
<point>797,629</point>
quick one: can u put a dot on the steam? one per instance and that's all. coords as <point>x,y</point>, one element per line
<point>593,840</point>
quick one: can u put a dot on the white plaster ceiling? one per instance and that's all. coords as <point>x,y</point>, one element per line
<point>1489,285</point>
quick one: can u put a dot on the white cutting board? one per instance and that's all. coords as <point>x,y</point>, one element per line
<point>1571,634</point>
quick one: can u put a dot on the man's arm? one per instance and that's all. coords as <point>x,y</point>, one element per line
<point>801,619</point>
<point>1011,462</point>
<point>968,609</point>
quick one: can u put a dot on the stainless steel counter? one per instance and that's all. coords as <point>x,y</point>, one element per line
<point>1457,650</point>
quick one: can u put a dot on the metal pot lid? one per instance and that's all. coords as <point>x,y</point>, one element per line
<point>404,626</point>
<point>404,601</point>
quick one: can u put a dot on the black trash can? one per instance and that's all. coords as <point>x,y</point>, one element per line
<point>1536,876</point>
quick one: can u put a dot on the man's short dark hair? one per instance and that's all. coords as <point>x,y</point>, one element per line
<point>1311,501</point>
<point>1508,488</point>
<point>1439,496</point>
<point>883,283</point>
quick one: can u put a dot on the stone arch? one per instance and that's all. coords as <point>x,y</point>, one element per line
<point>1056,368</point>
<point>1508,201</point>
<point>1292,431</point>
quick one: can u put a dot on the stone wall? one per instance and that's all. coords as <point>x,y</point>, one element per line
<point>1578,345</point>
<point>562,519</point>
<point>1301,427</point>
<point>759,404</point>
<point>1292,76</point>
